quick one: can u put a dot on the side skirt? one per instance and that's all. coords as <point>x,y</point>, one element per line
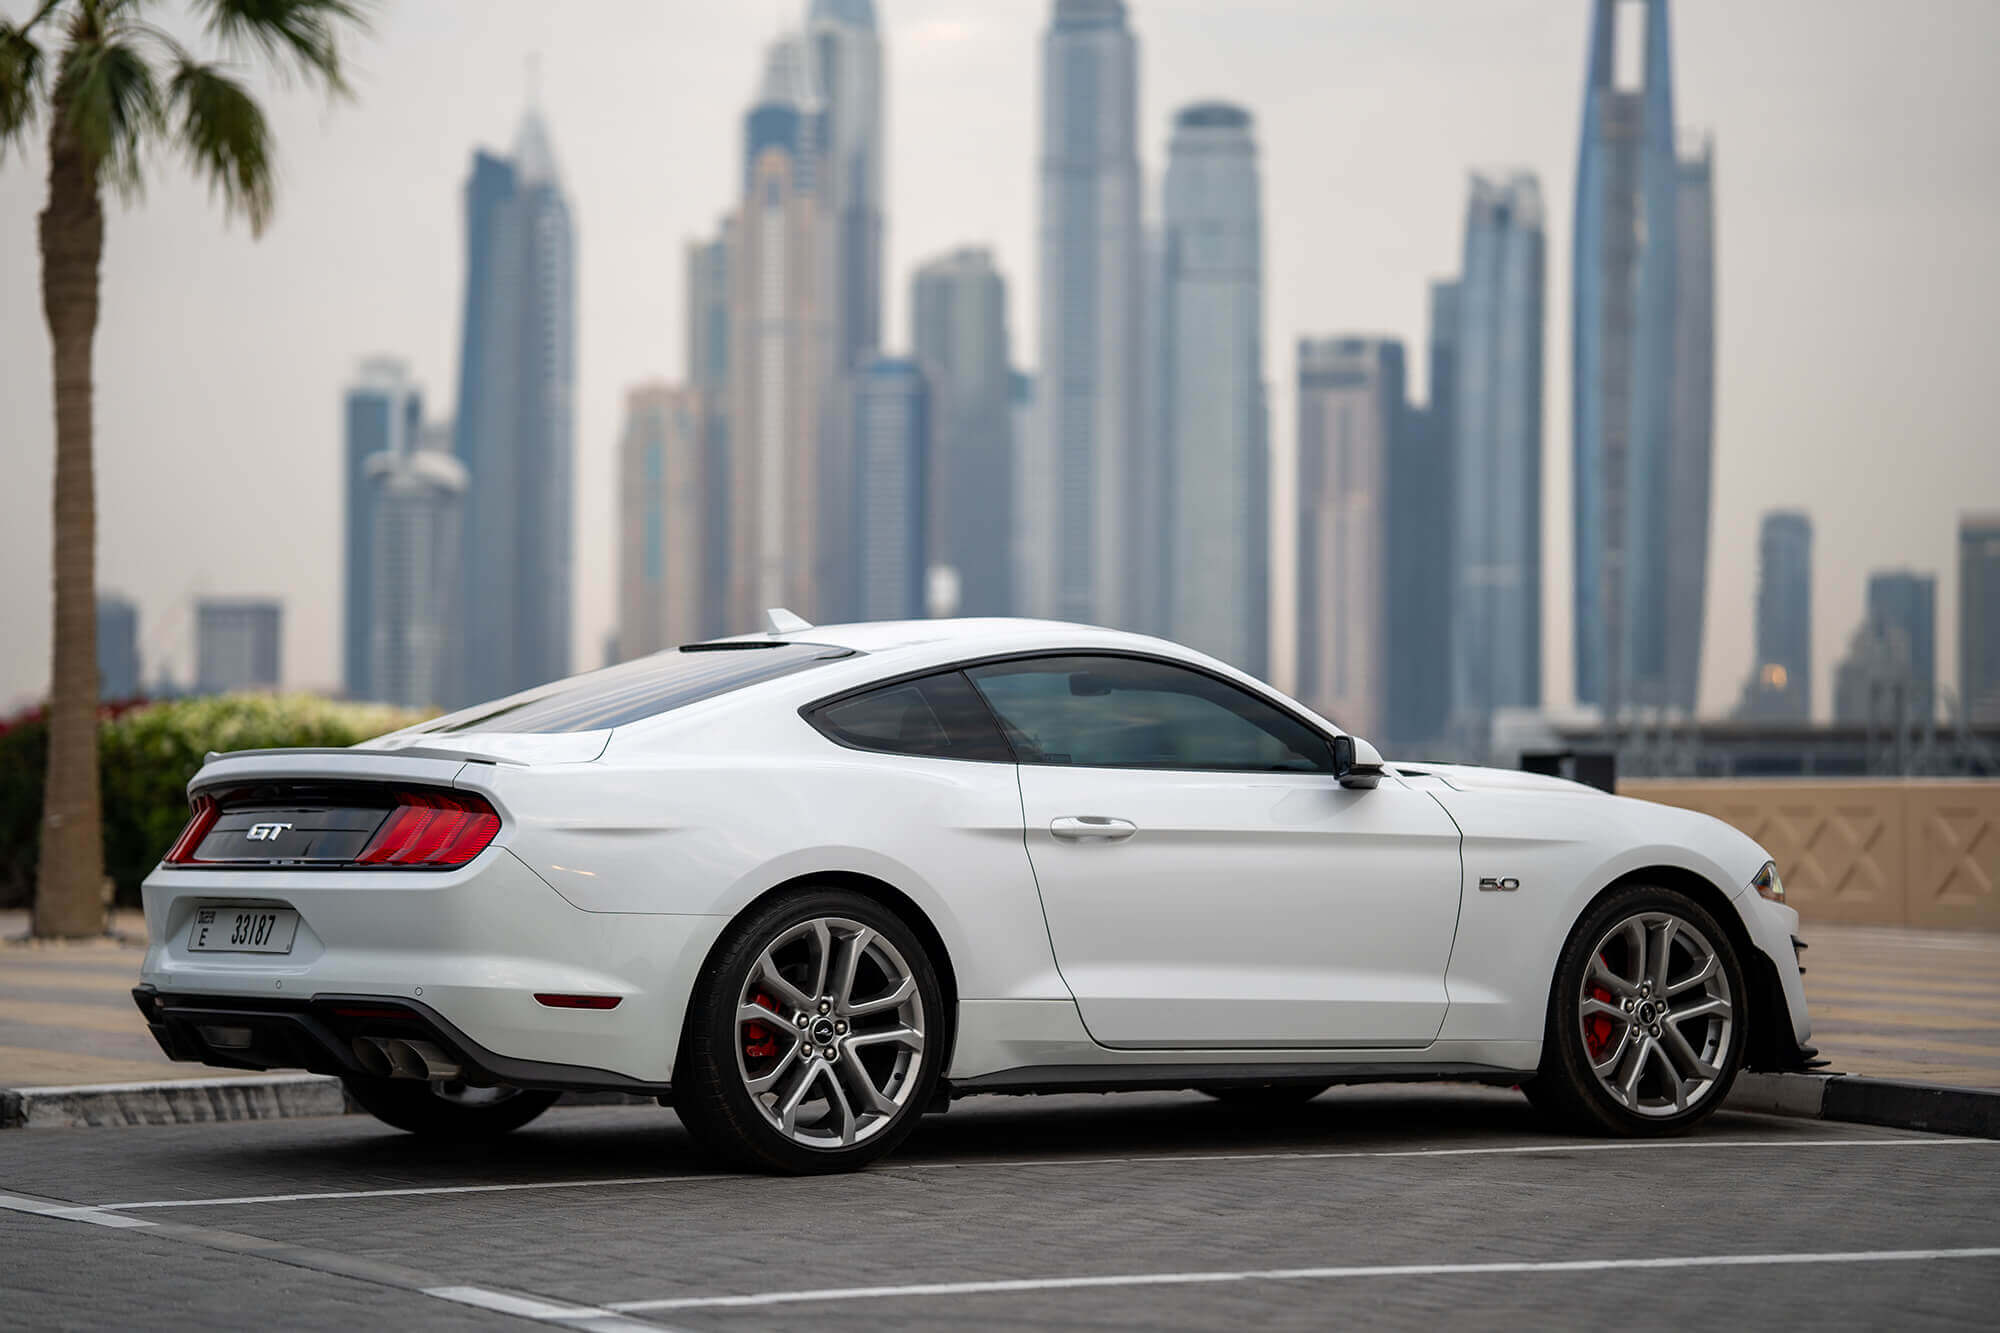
<point>1039,1079</point>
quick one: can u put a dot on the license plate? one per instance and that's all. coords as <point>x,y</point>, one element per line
<point>242,930</point>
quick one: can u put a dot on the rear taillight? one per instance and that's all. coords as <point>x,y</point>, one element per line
<point>431,829</point>
<point>198,825</point>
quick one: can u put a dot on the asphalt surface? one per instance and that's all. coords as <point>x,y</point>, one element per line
<point>1172,1211</point>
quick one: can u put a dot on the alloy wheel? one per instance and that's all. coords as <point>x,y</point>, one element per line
<point>1656,1014</point>
<point>830,1034</point>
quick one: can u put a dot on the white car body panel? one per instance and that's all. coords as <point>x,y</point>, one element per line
<point>1204,926</point>
<point>1252,918</point>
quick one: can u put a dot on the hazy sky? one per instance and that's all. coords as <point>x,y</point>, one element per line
<point>1858,186</point>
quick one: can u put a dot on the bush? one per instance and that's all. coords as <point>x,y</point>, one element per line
<point>145,757</point>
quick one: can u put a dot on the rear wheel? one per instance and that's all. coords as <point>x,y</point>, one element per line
<point>1646,1018</point>
<point>814,1036</point>
<point>448,1109</point>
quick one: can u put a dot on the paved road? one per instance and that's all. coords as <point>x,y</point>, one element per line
<point>1174,1211</point>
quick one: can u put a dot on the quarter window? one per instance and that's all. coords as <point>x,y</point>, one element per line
<point>939,717</point>
<point>1121,712</point>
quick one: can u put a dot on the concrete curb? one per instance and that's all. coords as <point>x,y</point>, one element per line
<point>201,1101</point>
<point>183,1102</point>
<point>1972,1112</point>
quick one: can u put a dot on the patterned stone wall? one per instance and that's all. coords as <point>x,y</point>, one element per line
<point>1915,853</point>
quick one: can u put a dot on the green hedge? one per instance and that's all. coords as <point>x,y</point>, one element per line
<point>145,757</point>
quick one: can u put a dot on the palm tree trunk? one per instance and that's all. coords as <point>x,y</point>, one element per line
<point>69,892</point>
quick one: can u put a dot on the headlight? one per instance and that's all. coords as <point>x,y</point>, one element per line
<point>1768,883</point>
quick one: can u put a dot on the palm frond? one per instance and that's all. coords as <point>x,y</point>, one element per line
<point>20,83</point>
<point>222,130</point>
<point>299,34</point>
<point>109,105</point>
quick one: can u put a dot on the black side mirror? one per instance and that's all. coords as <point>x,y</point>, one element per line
<point>1352,773</point>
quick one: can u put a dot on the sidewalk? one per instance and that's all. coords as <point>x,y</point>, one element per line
<point>1917,1005</point>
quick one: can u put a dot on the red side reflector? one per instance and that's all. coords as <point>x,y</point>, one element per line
<point>578,1001</point>
<point>206,811</point>
<point>432,829</point>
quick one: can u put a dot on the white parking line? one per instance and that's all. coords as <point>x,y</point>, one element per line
<point>69,1212</point>
<point>1294,1275</point>
<point>548,1312</point>
<point>1154,1159</point>
<point>394,1193</point>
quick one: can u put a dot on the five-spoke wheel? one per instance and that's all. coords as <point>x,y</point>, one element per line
<point>813,1039</point>
<point>1644,1031</point>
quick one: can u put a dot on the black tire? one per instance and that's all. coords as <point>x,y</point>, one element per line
<point>1265,1096</point>
<point>1567,1090</point>
<point>710,1095</point>
<point>421,1109</point>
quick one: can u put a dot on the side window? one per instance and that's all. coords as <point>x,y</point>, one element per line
<point>1120,712</point>
<point>938,716</point>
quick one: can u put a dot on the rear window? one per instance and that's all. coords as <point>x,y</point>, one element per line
<point>632,691</point>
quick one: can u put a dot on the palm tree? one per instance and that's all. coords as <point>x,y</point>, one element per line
<point>123,87</point>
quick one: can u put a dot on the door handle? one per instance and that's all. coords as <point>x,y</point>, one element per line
<point>1092,828</point>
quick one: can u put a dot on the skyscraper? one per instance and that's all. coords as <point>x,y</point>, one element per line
<point>516,421</point>
<point>783,489</point>
<point>117,647</point>
<point>890,487</point>
<point>1215,524</point>
<point>1077,538</point>
<point>1622,357</point>
<point>237,642</point>
<point>1423,504</point>
<point>708,349</point>
<point>384,411</point>
<point>846,52</point>
<point>1352,418</point>
<point>1691,445</point>
<point>1902,605</point>
<point>663,521</point>
<point>958,328</point>
<point>416,499</point>
<point>1780,684</point>
<point>1497,460</point>
<point>1979,617</point>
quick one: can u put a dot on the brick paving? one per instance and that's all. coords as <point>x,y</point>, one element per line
<point>1887,1002</point>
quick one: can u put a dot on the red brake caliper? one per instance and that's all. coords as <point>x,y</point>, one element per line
<point>1597,1029</point>
<point>760,1042</point>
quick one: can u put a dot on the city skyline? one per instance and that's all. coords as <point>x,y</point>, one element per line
<point>1337,315</point>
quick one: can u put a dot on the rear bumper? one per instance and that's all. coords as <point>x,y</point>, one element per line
<point>320,1035</point>
<point>467,951</point>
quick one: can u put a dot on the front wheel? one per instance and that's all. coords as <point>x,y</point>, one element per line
<point>1646,1018</point>
<point>447,1110</point>
<point>814,1038</point>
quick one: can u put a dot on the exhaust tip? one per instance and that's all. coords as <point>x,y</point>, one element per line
<point>368,1051</point>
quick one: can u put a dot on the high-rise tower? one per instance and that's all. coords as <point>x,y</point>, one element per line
<point>516,422</point>
<point>1622,357</point>
<point>1497,460</point>
<point>1780,684</point>
<point>958,328</point>
<point>1216,520</point>
<point>1353,418</point>
<point>1077,535</point>
<point>846,52</point>
<point>1691,441</point>
<point>783,489</point>
<point>383,412</point>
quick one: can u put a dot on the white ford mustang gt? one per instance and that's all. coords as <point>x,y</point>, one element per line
<point>807,885</point>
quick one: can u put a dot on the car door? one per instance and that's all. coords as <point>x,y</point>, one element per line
<point>1207,881</point>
